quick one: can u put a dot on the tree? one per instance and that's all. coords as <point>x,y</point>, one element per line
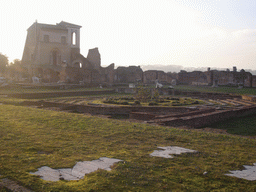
<point>15,71</point>
<point>3,63</point>
<point>16,62</point>
<point>142,94</point>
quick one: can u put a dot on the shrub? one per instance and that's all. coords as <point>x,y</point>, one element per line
<point>136,102</point>
<point>195,102</point>
<point>128,98</point>
<point>152,103</point>
<point>161,100</point>
<point>124,103</point>
<point>155,94</point>
<point>176,104</point>
<point>143,94</point>
<point>110,101</point>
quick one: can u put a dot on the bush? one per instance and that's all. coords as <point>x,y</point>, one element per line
<point>195,102</point>
<point>152,103</point>
<point>128,98</point>
<point>124,103</point>
<point>176,104</point>
<point>136,102</point>
<point>143,94</point>
<point>161,100</point>
<point>110,101</point>
<point>155,94</point>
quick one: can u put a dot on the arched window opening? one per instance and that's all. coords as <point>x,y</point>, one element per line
<point>73,38</point>
<point>78,65</point>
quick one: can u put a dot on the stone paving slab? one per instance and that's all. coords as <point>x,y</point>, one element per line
<point>249,173</point>
<point>166,151</point>
<point>77,172</point>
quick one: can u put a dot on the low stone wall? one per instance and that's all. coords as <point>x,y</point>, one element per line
<point>203,120</point>
<point>190,113</point>
<point>146,116</point>
<point>113,110</point>
<point>142,116</point>
<point>249,98</point>
<point>191,117</point>
<point>108,110</point>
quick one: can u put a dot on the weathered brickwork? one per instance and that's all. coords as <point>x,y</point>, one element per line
<point>52,54</point>
<point>192,78</point>
<point>131,74</point>
<point>254,81</point>
<point>151,76</point>
<point>205,119</point>
<point>214,77</point>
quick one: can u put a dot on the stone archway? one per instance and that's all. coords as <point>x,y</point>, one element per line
<point>77,64</point>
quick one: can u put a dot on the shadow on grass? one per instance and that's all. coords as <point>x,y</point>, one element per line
<point>240,126</point>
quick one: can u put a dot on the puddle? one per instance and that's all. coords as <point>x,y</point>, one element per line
<point>77,172</point>
<point>249,173</point>
<point>166,151</point>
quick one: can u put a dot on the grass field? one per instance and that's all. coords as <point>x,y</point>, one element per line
<point>31,138</point>
<point>221,89</point>
<point>19,89</point>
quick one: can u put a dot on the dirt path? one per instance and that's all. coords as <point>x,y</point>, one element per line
<point>12,185</point>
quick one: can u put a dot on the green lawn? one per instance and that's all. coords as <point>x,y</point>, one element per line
<point>19,89</point>
<point>234,90</point>
<point>31,138</point>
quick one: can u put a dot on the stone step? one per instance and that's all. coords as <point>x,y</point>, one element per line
<point>230,103</point>
<point>239,102</point>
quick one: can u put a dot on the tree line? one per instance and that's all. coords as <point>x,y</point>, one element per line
<point>13,70</point>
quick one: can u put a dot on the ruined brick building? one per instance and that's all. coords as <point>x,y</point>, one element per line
<point>131,74</point>
<point>215,77</point>
<point>52,53</point>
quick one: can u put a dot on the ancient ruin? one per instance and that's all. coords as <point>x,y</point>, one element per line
<point>52,54</point>
<point>216,107</point>
<point>215,78</point>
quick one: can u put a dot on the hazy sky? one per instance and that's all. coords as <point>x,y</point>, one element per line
<point>194,33</point>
